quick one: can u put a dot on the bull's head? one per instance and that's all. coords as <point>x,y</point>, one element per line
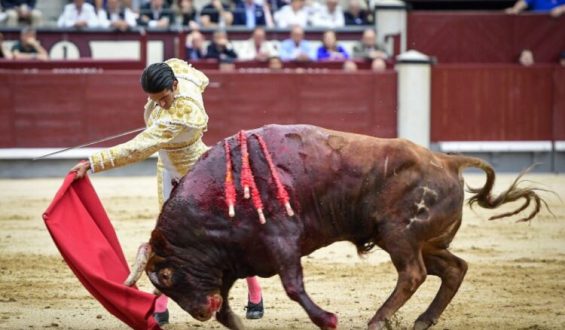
<point>171,275</point>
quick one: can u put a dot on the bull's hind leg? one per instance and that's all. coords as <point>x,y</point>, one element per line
<point>411,274</point>
<point>451,270</point>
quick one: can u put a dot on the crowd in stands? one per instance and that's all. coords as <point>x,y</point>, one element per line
<point>294,48</point>
<point>255,15</point>
<point>123,14</point>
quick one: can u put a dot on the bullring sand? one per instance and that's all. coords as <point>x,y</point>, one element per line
<point>516,277</point>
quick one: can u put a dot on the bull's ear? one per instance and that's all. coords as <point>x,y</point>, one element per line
<point>160,244</point>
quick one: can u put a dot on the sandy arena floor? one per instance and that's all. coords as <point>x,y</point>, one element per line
<point>516,278</point>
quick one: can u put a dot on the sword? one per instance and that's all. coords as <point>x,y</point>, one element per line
<point>91,143</point>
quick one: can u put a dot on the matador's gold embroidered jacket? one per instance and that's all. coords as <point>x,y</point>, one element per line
<point>175,133</point>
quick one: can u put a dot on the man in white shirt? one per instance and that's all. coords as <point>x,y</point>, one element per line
<point>291,15</point>
<point>78,15</point>
<point>117,16</point>
<point>329,16</point>
<point>257,47</point>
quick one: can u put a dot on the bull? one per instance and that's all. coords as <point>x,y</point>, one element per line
<point>389,193</point>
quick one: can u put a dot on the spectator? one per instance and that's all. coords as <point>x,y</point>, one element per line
<point>330,50</point>
<point>188,14</point>
<point>349,66</point>
<point>78,15</point>
<point>562,58</point>
<point>221,49</point>
<point>296,48</point>
<point>257,47</point>
<point>3,15</point>
<point>135,5</point>
<point>117,16</point>
<point>275,63</point>
<point>226,65</point>
<point>21,11</point>
<point>368,49</point>
<point>526,58</point>
<point>98,4</point>
<point>274,5</point>
<point>216,14</point>
<point>293,14</point>
<point>195,49</point>
<point>555,7</point>
<point>355,15</point>
<point>4,54</point>
<point>248,13</point>
<point>28,47</point>
<point>329,16</point>
<point>378,65</point>
<point>155,14</point>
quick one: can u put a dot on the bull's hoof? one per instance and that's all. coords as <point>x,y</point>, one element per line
<point>422,325</point>
<point>379,325</point>
<point>329,322</point>
<point>229,320</point>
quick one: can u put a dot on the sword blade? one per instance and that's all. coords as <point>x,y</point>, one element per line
<point>91,143</point>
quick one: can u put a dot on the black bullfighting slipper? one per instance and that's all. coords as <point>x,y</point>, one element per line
<point>162,318</point>
<point>254,311</point>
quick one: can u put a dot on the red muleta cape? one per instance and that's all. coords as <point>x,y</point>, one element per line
<point>87,241</point>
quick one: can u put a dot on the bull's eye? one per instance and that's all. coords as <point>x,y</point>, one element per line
<point>166,277</point>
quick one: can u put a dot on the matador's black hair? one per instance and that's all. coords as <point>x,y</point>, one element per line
<point>157,77</point>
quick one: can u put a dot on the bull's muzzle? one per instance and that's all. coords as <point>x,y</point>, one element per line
<point>205,312</point>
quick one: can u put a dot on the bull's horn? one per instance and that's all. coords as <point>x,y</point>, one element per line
<point>137,269</point>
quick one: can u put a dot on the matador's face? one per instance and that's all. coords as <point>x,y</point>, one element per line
<point>166,97</point>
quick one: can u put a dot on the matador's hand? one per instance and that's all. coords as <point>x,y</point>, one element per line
<point>81,169</point>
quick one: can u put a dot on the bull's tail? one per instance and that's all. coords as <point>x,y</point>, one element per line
<point>484,197</point>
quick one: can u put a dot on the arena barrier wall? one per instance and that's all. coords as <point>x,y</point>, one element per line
<point>510,115</point>
<point>484,109</point>
<point>44,109</point>
<point>485,37</point>
<point>499,102</point>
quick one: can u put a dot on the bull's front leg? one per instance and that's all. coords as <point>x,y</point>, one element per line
<point>225,315</point>
<point>290,271</point>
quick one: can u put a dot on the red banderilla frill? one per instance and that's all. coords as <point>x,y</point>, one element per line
<point>246,176</point>
<point>248,181</point>
<point>282,194</point>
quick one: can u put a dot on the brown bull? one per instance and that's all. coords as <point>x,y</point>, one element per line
<point>372,192</point>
